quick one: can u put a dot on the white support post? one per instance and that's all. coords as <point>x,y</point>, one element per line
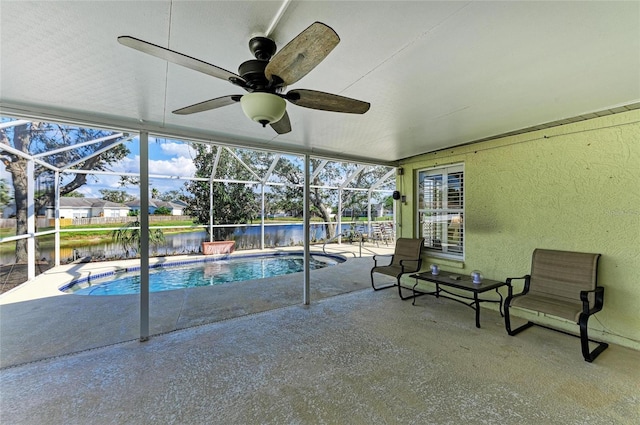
<point>144,236</point>
<point>210,211</point>
<point>212,177</point>
<point>56,186</point>
<point>339,228</point>
<point>31,221</point>
<point>369,212</point>
<point>262,217</point>
<point>305,229</point>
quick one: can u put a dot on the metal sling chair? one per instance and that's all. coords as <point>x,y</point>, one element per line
<point>562,284</point>
<point>405,259</point>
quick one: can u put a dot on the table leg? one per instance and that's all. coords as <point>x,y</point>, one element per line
<point>501,301</point>
<point>477,303</point>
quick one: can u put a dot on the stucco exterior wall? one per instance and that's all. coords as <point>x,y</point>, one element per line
<point>575,187</point>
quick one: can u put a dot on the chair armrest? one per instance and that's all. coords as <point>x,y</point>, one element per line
<point>419,261</point>
<point>599,300</point>
<point>380,257</point>
<point>527,282</point>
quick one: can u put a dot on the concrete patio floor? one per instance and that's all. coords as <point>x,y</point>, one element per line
<point>37,321</point>
<point>355,356</point>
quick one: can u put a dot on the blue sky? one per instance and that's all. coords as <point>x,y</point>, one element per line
<point>166,157</point>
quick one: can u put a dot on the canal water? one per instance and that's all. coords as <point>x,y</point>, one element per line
<point>279,235</point>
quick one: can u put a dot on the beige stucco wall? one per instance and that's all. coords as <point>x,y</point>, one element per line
<point>575,187</point>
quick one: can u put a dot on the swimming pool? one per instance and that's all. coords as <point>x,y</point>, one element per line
<point>196,273</point>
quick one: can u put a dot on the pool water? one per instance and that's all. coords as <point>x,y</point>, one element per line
<point>196,274</point>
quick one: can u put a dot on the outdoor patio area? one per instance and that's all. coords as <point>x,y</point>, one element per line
<point>37,321</point>
<point>361,357</point>
<point>493,145</point>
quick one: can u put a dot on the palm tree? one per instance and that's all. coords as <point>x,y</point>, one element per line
<point>128,236</point>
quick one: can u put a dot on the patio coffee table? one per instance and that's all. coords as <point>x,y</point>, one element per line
<point>461,282</point>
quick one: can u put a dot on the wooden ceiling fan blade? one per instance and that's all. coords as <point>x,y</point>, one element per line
<point>180,59</point>
<point>302,54</point>
<point>207,105</point>
<point>327,102</point>
<point>283,126</point>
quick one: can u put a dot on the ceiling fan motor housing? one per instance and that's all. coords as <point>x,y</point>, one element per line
<point>253,73</point>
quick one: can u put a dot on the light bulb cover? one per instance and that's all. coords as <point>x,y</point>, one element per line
<point>265,108</point>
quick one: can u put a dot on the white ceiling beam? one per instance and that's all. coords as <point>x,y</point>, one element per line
<point>10,124</point>
<point>242,163</point>
<point>384,179</point>
<point>216,161</point>
<point>96,153</point>
<point>79,145</point>
<point>25,155</point>
<point>271,168</point>
<point>352,176</point>
<point>319,169</point>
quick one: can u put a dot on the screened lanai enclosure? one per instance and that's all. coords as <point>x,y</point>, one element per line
<point>227,192</point>
<point>74,198</point>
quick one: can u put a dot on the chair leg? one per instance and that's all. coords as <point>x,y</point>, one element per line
<point>589,356</point>
<point>507,321</point>
<point>380,287</point>
<point>414,293</point>
<point>402,297</point>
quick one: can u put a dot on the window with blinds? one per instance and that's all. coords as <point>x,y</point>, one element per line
<point>441,210</point>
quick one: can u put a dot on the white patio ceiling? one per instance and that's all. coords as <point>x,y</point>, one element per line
<point>437,74</point>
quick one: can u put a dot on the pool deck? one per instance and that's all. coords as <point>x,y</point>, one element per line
<point>48,283</point>
<point>357,356</point>
<point>38,321</point>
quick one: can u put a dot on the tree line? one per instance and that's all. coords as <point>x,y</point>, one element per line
<point>233,203</point>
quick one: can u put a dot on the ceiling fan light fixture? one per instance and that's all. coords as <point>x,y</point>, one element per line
<point>265,108</point>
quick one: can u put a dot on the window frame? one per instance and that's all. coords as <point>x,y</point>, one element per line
<point>448,229</point>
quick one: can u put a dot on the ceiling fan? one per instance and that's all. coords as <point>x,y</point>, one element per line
<point>266,77</point>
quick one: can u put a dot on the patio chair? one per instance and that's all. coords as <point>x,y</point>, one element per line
<point>405,259</point>
<point>379,233</point>
<point>562,284</point>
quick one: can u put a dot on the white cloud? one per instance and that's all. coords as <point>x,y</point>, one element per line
<point>179,166</point>
<point>127,165</point>
<point>178,149</point>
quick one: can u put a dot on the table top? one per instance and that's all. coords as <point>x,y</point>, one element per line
<point>460,281</point>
